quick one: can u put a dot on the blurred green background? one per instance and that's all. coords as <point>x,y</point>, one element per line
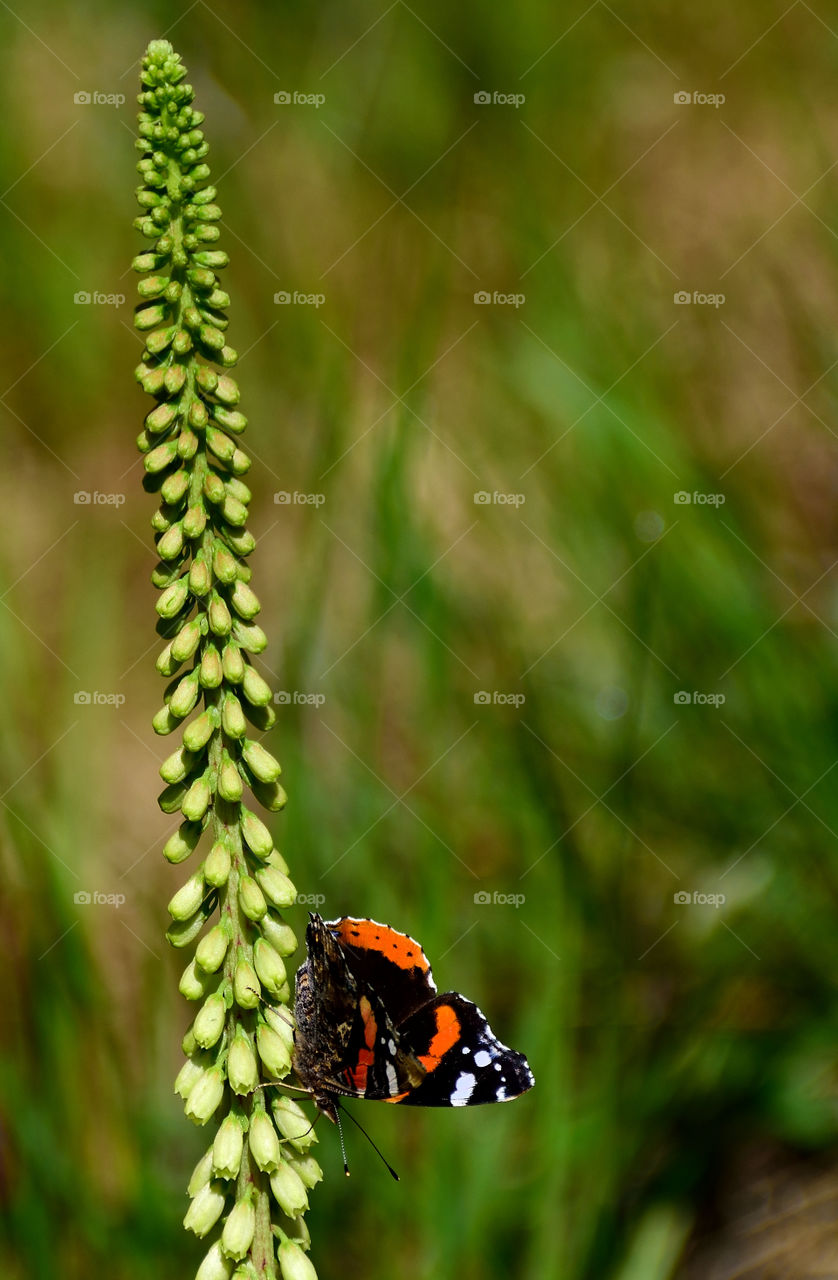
<point>684,1050</point>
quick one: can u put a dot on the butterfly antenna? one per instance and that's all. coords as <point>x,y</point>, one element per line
<point>358,1125</point>
<point>342,1145</point>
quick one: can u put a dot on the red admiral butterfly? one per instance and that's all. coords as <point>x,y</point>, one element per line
<point>371,1025</point>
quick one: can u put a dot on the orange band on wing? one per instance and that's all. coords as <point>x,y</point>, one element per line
<point>369,936</point>
<point>447,1034</point>
<point>357,1076</point>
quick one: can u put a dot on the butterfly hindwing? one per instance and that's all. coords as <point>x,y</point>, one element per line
<point>465,1062</point>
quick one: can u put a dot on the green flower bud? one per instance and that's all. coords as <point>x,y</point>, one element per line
<point>205,1210</point>
<point>289,1191</point>
<point>293,1263</point>
<point>246,987</point>
<point>214,488</point>
<point>177,766</point>
<point>307,1169</point>
<point>194,522</point>
<point>281,1021</point>
<point>270,795</point>
<point>215,1266</point>
<point>174,378</point>
<point>273,1051</point>
<point>210,673</point>
<point>197,734</point>
<point>198,416</point>
<point>171,798</point>
<point>257,837</point>
<point>170,545</point>
<point>280,935</point>
<point>157,342</point>
<point>232,717</point>
<point>220,444</point>
<point>269,966</point>
<point>223,564</point>
<point>187,444</point>
<point>209,1020</point>
<point>276,887</point>
<point>226,390</point>
<point>205,1095</point>
<point>173,599</point>
<point>260,762</point>
<point>174,486</point>
<point>293,1123</point>
<point>242,541</point>
<point>184,645</point>
<point>188,898</point>
<point>212,949</point>
<point>200,578</point>
<point>185,694</point>
<point>196,801</point>
<point>219,617</point>
<point>194,982</point>
<point>182,842</point>
<point>263,1142</point>
<point>251,898</point>
<point>234,512</point>
<point>241,1064</point>
<point>188,1076</point>
<point>240,465</point>
<point>244,601</point>
<point>254,688</point>
<point>229,781</point>
<point>237,1236</point>
<point>165,664</point>
<point>201,1174</point>
<point>227,1148</point>
<point>251,638</point>
<point>217,865</point>
<point>160,457</point>
<point>233,663</point>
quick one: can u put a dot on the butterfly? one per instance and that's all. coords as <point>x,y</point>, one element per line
<point>370,1024</point>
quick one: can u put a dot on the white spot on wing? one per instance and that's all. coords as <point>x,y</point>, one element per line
<point>463,1089</point>
<point>482,1058</point>
<point>392,1079</point>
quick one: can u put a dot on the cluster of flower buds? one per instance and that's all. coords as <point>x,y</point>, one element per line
<point>231,906</point>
